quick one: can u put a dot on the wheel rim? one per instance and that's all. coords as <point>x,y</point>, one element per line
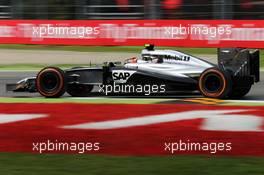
<point>50,81</point>
<point>213,83</point>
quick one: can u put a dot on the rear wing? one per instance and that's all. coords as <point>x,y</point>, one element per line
<point>241,62</point>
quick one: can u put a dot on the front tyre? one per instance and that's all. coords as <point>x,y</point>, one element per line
<point>50,82</point>
<point>215,83</point>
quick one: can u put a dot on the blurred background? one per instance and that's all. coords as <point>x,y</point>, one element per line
<point>131,9</point>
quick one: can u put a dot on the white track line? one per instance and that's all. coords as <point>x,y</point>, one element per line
<point>246,101</point>
<point>146,98</point>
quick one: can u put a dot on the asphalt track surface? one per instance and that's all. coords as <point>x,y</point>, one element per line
<point>7,77</point>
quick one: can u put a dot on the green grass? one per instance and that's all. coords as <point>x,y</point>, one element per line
<point>132,49</point>
<point>37,67</point>
<point>51,164</point>
<point>99,100</point>
<point>115,100</point>
<point>262,59</point>
<point>246,103</point>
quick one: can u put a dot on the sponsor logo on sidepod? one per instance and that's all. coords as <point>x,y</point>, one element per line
<point>121,76</point>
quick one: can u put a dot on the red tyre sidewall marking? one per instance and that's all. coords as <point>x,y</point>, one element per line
<point>213,94</point>
<point>61,79</point>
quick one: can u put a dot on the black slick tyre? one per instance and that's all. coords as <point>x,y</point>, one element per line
<point>215,83</point>
<point>50,82</point>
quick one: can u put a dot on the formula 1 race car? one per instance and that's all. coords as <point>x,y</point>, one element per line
<point>168,70</point>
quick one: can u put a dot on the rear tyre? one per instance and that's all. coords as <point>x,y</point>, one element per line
<point>215,83</point>
<point>50,82</point>
<point>239,92</point>
<point>79,90</point>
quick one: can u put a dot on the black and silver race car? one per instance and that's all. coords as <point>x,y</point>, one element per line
<point>236,72</point>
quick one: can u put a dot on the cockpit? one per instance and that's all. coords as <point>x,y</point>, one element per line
<point>152,58</point>
<point>147,57</point>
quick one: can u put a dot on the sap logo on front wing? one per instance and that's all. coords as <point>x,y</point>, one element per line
<point>121,76</point>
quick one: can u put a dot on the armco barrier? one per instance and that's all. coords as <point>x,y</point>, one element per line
<point>188,33</point>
